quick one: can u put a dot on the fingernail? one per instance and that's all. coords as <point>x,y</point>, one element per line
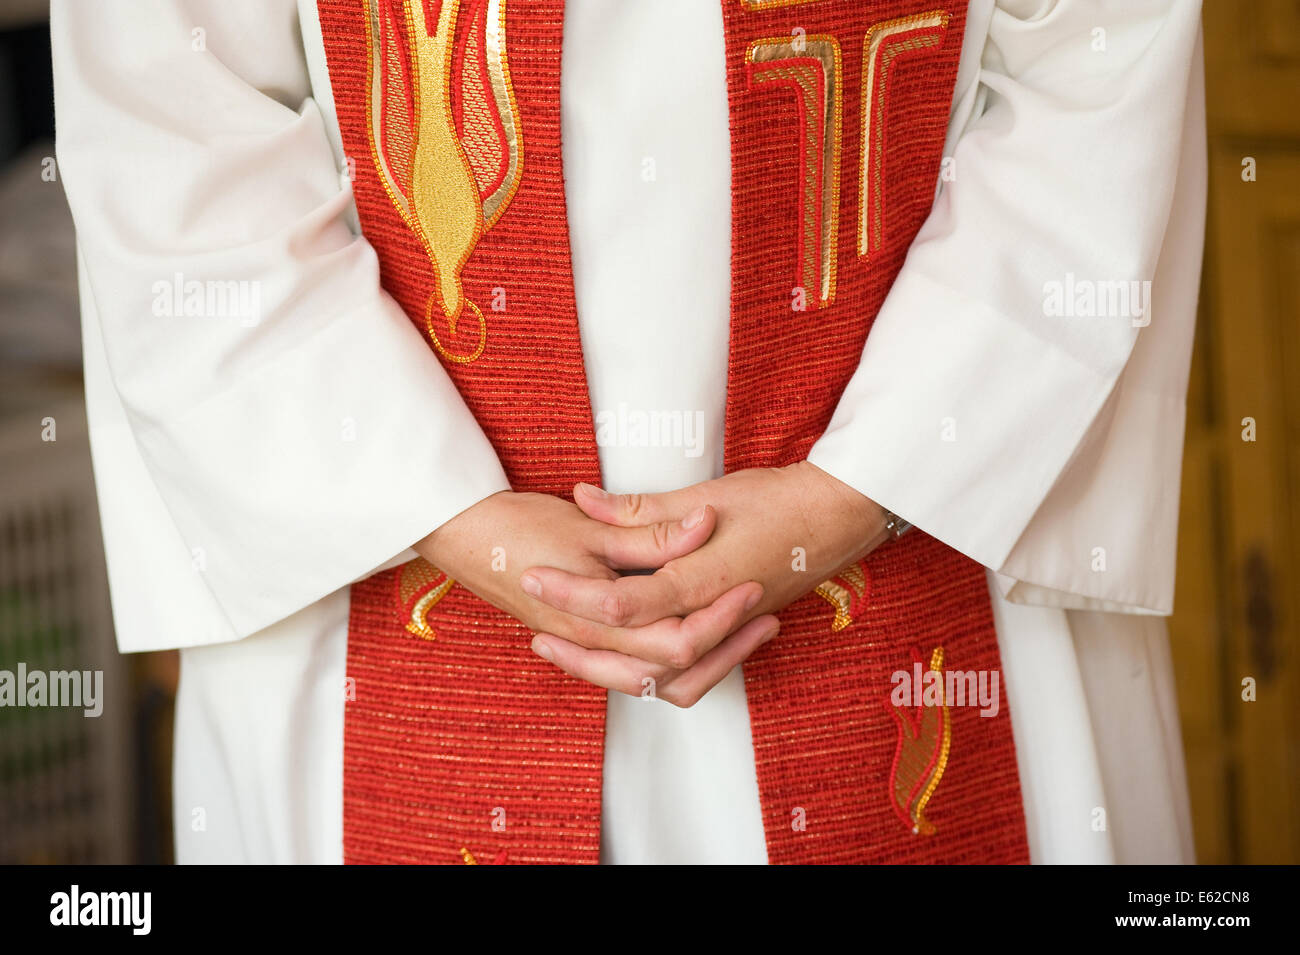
<point>752,600</point>
<point>770,634</point>
<point>593,490</point>
<point>532,586</point>
<point>543,650</point>
<point>693,518</point>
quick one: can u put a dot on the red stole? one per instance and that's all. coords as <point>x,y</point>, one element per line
<point>459,743</point>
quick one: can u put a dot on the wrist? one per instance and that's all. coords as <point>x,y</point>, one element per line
<point>439,546</point>
<point>862,512</point>
<point>426,547</point>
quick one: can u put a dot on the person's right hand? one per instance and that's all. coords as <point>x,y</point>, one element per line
<point>487,547</point>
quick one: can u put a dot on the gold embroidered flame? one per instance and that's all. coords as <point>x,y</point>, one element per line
<point>445,138</point>
<point>924,740</point>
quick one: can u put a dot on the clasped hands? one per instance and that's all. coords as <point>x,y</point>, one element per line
<point>723,555</point>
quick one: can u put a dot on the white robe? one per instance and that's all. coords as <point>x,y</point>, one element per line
<point>233,459</point>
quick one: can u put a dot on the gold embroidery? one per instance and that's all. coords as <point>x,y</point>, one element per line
<point>871,197</point>
<point>443,191</point>
<point>924,743</point>
<point>503,92</point>
<point>420,579</point>
<point>790,60</point>
<point>941,763</point>
<point>437,342</point>
<point>773,4</point>
<point>468,857</point>
<point>442,184</point>
<point>843,596</point>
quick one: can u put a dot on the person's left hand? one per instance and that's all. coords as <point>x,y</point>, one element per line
<point>788,528</point>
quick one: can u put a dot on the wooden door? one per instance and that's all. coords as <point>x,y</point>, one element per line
<point>1237,610</point>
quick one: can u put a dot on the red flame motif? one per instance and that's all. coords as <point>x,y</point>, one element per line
<point>924,739</point>
<point>420,585</point>
<point>848,592</point>
<point>468,858</point>
<point>445,139</point>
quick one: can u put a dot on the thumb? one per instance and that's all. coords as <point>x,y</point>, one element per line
<point>650,546</point>
<point>627,510</point>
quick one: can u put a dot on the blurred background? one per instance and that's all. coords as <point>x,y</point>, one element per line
<point>1237,606</point>
<point>74,789</point>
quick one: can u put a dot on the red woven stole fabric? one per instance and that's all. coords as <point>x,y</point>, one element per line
<point>824,736</point>
<point>470,741</point>
<point>467,745</point>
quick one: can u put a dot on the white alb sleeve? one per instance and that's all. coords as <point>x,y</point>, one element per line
<point>267,426</point>
<point>999,408</point>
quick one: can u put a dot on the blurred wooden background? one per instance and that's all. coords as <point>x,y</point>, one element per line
<point>1237,611</point>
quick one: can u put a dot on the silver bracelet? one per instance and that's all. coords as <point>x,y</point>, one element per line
<point>896,526</point>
